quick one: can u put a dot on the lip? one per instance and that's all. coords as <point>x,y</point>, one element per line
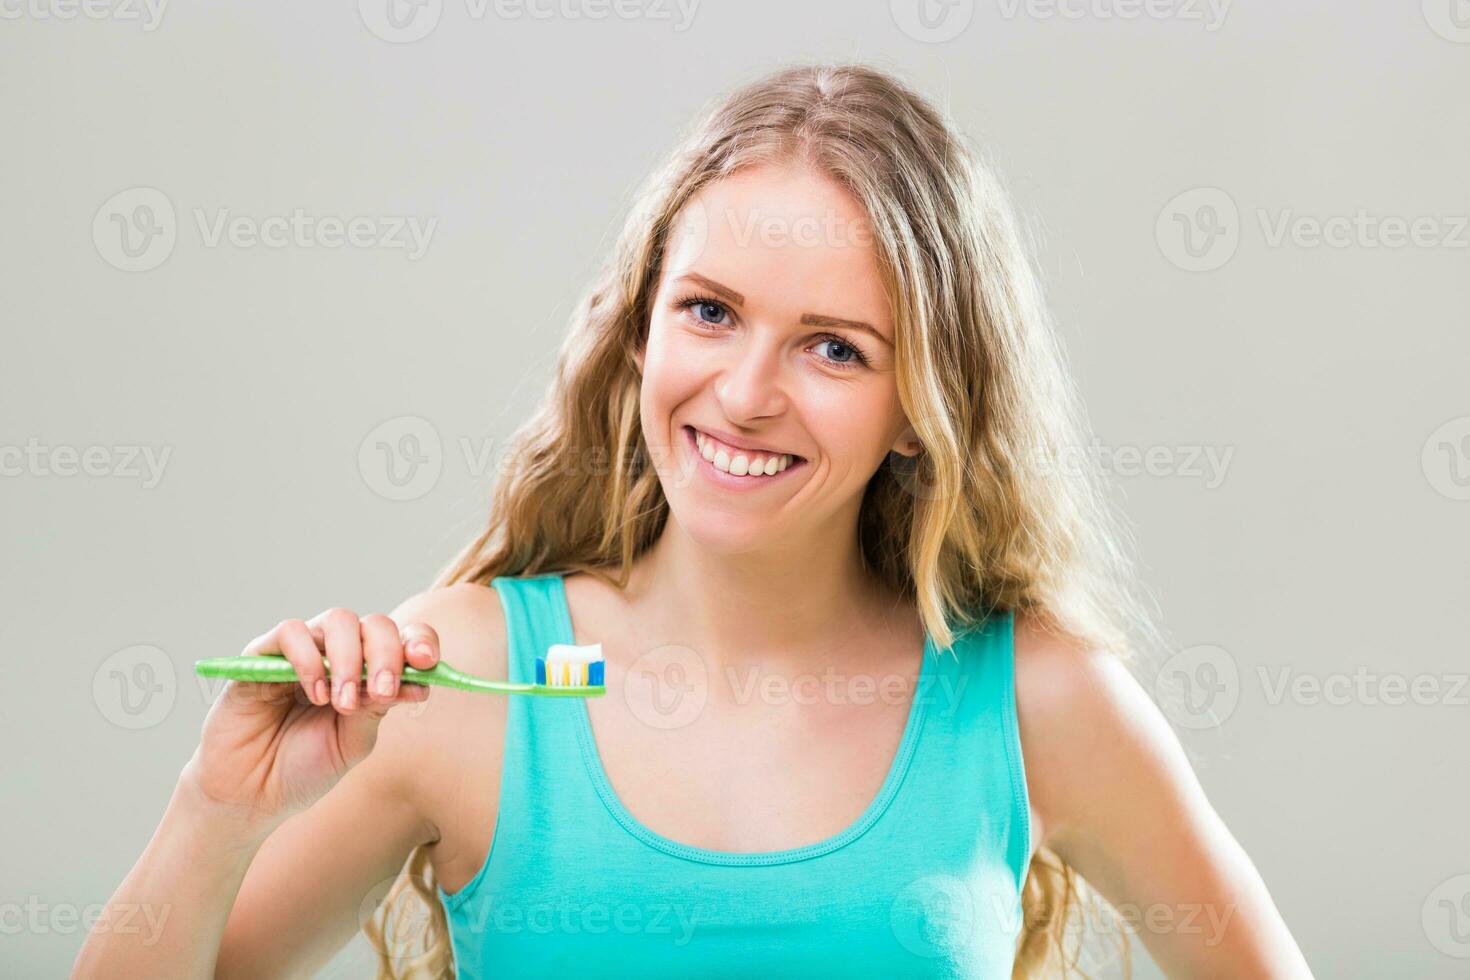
<point>730,481</point>
<point>736,443</point>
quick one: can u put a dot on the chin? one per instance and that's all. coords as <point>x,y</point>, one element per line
<point>721,531</point>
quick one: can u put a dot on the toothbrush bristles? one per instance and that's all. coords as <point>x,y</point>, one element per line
<point>566,665</point>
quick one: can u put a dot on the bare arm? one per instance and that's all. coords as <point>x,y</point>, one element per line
<point>185,882</point>
<point>313,884</point>
<point>260,871</point>
<point>1117,799</point>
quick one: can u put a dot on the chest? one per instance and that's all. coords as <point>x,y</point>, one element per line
<point>759,763</point>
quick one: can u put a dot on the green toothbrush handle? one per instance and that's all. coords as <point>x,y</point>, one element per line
<point>274,668</point>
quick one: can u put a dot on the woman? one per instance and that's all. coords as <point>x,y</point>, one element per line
<point>802,474</point>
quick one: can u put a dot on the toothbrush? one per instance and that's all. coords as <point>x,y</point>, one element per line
<point>566,671</point>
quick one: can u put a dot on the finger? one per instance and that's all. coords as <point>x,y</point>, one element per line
<point>343,636</point>
<point>382,650</point>
<point>315,625</point>
<point>421,645</point>
<point>359,730</point>
<point>408,693</point>
<point>270,640</point>
<point>298,646</point>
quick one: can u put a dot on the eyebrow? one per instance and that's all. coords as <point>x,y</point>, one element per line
<point>810,319</point>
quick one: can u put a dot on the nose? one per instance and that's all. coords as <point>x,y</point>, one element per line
<point>751,387</point>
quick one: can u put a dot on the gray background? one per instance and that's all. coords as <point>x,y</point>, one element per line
<point>1333,545</point>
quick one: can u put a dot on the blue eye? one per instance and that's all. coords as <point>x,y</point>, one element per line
<point>701,306</point>
<point>850,358</point>
<point>710,312</point>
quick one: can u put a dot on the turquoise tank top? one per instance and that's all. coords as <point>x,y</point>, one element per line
<point>926,883</point>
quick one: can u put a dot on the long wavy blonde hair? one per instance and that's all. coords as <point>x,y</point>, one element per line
<point>994,514</point>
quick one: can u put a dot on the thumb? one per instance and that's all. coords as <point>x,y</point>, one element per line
<point>357,733</point>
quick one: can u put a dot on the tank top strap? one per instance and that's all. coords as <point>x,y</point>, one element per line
<point>969,758</point>
<point>543,779</point>
<point>535,618</point>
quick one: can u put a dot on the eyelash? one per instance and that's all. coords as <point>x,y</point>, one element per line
<point>859,357</point>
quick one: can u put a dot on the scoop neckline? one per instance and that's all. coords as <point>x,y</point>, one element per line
<point>897,769</point>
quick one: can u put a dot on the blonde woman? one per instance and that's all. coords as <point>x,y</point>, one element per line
<point>804,473</point>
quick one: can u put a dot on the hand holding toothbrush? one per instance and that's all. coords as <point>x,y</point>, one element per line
<point>271,749</point>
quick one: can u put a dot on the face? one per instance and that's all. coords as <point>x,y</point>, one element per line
<point>770,348</point>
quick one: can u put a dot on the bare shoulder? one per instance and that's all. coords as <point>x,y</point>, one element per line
<point>1088,728</point>
<point>469,620</point>
<point>432,742</point>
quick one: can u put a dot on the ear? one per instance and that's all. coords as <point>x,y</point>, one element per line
<point>908,442</point>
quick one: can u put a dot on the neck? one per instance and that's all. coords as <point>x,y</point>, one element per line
<point>779,606</point>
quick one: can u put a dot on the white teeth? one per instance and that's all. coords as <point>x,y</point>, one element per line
<point>739,464</point>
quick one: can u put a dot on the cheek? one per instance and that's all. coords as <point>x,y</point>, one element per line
<point>671,372</point>
<point>853,424</point>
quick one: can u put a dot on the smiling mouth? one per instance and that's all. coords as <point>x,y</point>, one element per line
<point>758,464</point>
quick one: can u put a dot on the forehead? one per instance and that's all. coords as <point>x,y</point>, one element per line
<point>789,239</point>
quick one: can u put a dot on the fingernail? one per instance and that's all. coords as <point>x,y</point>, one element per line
<point>422,648</point>
<point>319,692</point>
<point>385,682</point>
<point>346,692</point>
